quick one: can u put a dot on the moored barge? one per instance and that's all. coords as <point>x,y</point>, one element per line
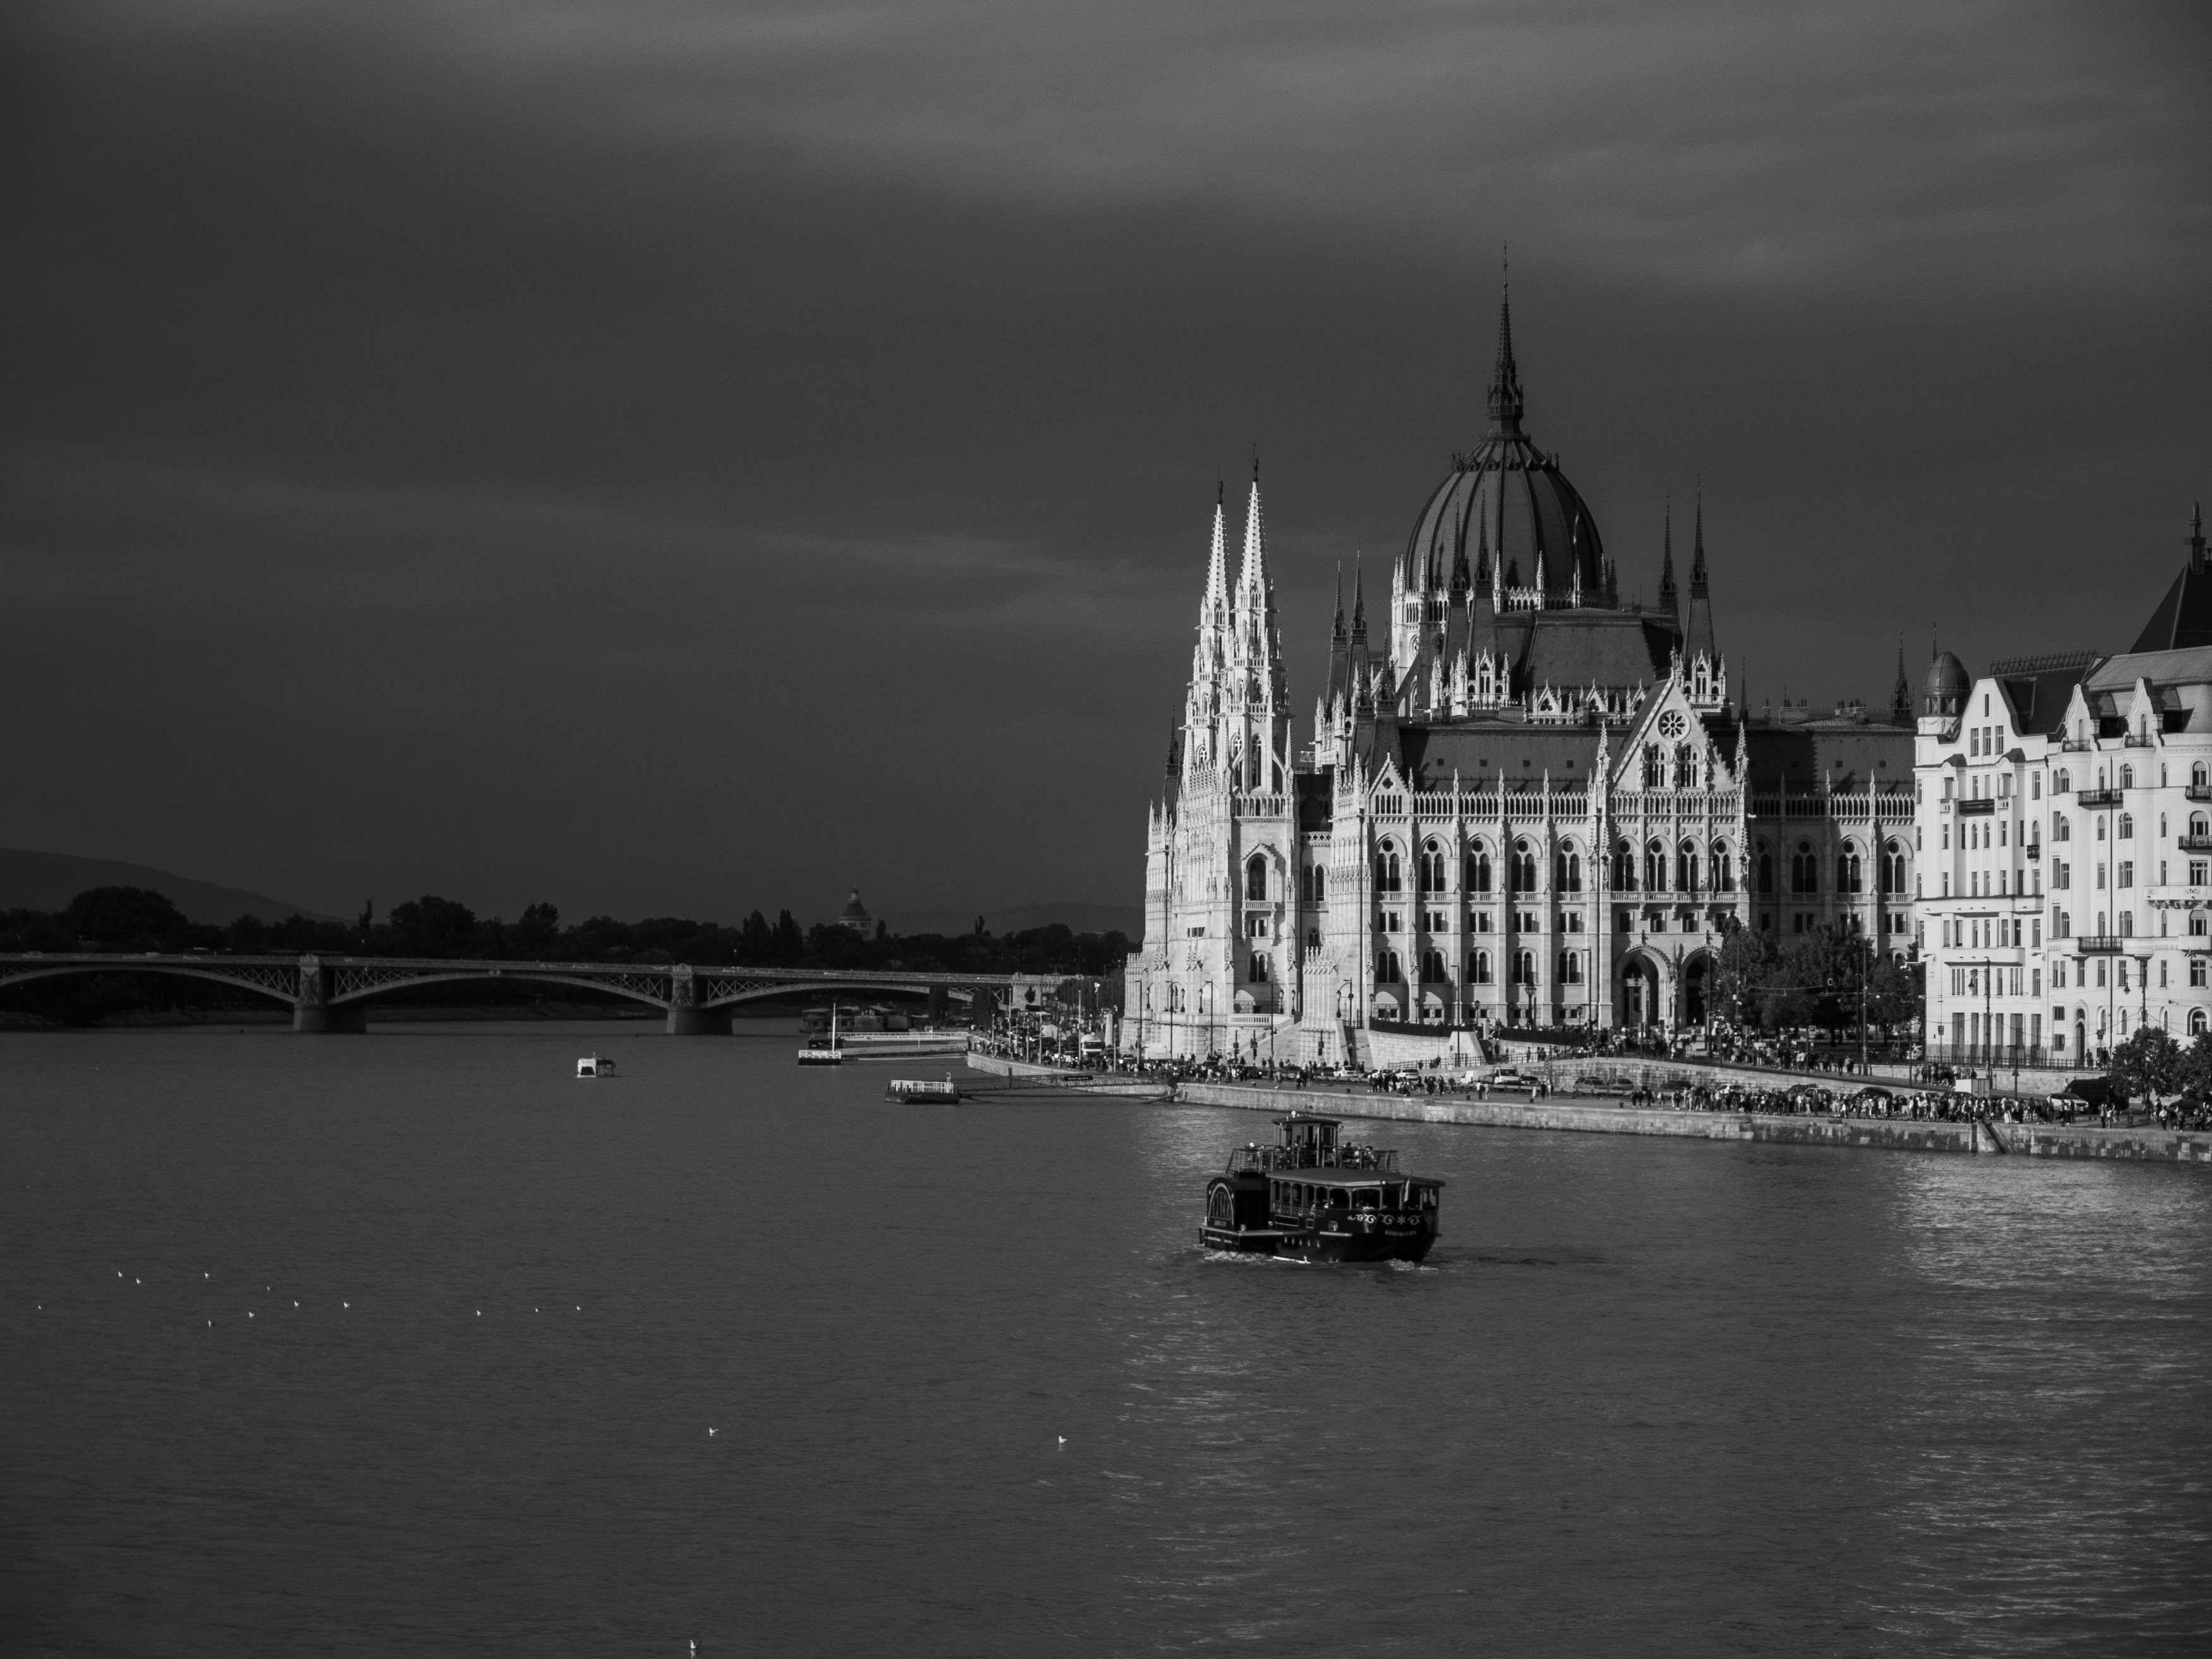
<point>1317,1197</point>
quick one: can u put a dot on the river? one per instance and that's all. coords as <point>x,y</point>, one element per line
<point>412,1343</point>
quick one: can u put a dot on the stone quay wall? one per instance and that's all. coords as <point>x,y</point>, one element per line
<point>1894,1134</point>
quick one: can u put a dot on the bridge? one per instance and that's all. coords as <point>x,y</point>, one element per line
<point>329,994</point>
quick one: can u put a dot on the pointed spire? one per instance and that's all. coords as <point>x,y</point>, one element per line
<point>1506,400</point>
<point>1666,590</point>
<point>1900,696</point>
<point>1336,630</point>
<point>1697,559</point>
<point>1359,596</point>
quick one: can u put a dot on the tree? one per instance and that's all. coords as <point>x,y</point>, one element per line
<point>130,918</point>
<point>1745,973</point>
<point>539,929</point>
<point>2150,1062</point>
<point>434,927</point>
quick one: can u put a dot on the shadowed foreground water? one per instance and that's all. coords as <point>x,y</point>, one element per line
<point>1648,1396</point>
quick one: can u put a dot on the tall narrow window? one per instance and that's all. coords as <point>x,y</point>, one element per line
<point>1256,877</point>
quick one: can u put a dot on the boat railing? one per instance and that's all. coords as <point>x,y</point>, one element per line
<point>1383,1160</point>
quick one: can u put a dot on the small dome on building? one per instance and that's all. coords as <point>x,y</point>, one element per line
<point>855,915</point>
<point>1946,687</point>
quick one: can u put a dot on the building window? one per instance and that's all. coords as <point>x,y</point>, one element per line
<point>1478,869</point>
<point>1432,868</point>
<point>1567,871</point>
<point>1655,868</point>
<point>1804,873</point>
<point>1720,873</point>
<point>1255,925</point>
<point>1432,968</point>
<point>1685,868</point>
<point>2196,982</point>
<point>1765,871</point>
<point>1478,967</point>
<point>2127,777</point>
<point>1893,868</point>
<point>1571,967</point>
<point>1258,970</point>
<point>1523,871</point>
<point>2127,827</point>
<point>1387,879</point>
<point>1386,968</point>
<point>1849,879</point>
<point>1256,877</point>
<point>1624,868</point>
<point>1524,967</point>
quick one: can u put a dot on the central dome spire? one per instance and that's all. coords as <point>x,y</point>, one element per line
<point>1505,380</point>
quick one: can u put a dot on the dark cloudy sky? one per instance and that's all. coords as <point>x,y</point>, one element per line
<point>673,457</point>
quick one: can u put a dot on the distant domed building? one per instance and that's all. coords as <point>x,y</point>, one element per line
<point>855,915</point>
<point>1949,683</point>
<point>1526,803</point>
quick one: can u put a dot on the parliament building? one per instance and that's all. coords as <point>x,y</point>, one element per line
<point>1524,802</point>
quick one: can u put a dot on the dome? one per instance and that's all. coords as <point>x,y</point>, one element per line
<point>855,915</point>
<point>1508,504</point>
<point>1948,686</point>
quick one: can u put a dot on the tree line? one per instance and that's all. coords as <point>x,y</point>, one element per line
<point>138,918</point>
<point>1760,982</point>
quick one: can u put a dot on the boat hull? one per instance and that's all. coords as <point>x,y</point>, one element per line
<point>1354,1244</point>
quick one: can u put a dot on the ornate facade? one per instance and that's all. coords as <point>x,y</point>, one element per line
<point>1524,802</point>
<point>2065,816</point>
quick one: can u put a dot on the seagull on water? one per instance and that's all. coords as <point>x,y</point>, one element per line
<point>1063,1440</point>
<point>710,1434</point>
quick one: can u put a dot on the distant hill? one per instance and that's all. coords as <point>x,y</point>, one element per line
<point>48,881</point>
<point>1128,919</point>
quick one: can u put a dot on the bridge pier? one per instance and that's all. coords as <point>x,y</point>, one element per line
<point>698,1022</point>
<point>325,1020</point>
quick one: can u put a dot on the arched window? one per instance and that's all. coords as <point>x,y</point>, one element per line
<point>1256,877</point>
<point>2196,775</point>
<point>1685,767</point>
<point>2127,827</point>
<point>2127,777</point>
<point>1567,871</point>
<point>1686,867</point>
<point>1571,967</point>
<point>1524,967</point>
<point>1478,967</point>
<point>1387,879</point>
<point>2061,829</point>
<point>1386,968</point>
<point>1258,970</point>
<point>2061,781</point>
<point>1477,868</point>
<point>1432,968</point>
<point>1623,867</point>
<point>1655,868</point>
<point>2196,1015</point>
<point>2196,823</point>
<point>1313,884</point>
<point>1720,870</point>
<point>1765,869</point>
<point>1804,869</point>
<point>1848,877</point>
<point>1524,867</point>
<point>1893,868</point>
<point>1432,868</point>
<point>1655,767</point>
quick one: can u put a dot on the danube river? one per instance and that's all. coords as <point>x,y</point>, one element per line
<point>413,1343</point>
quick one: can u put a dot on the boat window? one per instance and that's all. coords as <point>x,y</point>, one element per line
<point>1367,1197</point>
<point>1338,1197</point>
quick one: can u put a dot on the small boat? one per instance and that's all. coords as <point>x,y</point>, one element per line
<point>1314,1197</point>
<point>910,1092</point>
<point>595,1065</point>
<point>821,1052</point>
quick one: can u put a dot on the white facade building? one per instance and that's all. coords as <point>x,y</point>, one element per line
<point>2064,830</point>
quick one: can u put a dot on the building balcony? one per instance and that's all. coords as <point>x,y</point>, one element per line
<point>2099,945</point>
<point>2194,843</point>
<point>1971,809</point>
<point>2034,851</point>
<point>2098,797</point>
<point>2198,791</point>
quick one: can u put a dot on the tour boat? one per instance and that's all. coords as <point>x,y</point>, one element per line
<point>595,1065</point>
<point>910,1092</point>
<point>819,1052</point>
<point>1317,1198</point>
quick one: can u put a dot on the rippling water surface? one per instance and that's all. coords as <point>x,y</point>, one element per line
<point>412,1343</point>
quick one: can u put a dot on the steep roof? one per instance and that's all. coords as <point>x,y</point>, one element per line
<point>1484,751</point>
<point>1576,649</point>
<point>2038,689</point>
<point>1847,755</point>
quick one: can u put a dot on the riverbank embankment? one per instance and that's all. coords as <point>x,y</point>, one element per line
<point>1591,1117</point>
